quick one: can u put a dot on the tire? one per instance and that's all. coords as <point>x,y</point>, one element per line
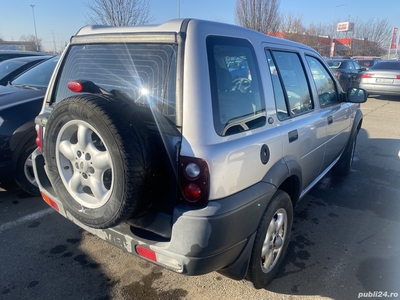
<point>343,165</point>
<point>100,158</point>
<point>273,234</point>
<point>25,177</point>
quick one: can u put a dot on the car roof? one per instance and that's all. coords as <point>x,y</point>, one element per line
<point>339,59</point>
<point>22,52</point>
<point>30,58</point>
<point>181,25</point>
<point>8,54</point>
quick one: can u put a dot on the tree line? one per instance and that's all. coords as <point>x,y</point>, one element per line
<point>372,36</point>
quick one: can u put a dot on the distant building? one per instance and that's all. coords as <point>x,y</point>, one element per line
<point>17,45</point>
<point>342,46</point>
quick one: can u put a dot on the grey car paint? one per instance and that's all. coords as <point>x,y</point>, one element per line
<point>242,182</point>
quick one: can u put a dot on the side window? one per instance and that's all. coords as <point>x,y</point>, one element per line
<point>350,65</point>
<point>324,82</point>
<point>294,82</point>
<point>280,101</point>
<point>357,66</point>
<point>235,85</point>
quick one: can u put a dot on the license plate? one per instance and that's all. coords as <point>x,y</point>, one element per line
<point>384,80</point>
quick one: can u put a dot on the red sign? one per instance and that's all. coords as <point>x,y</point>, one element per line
<point>393,45</point>
<point>345,26</point>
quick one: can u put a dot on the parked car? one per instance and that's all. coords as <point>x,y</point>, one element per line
<point>347,71</point>
<point>20,102</point>
<point>383,78</point>
<point>194,175</point>
<point>13,67</point>
<point>7,54</point>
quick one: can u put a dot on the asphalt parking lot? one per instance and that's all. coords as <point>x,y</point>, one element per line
<point>345,242</point>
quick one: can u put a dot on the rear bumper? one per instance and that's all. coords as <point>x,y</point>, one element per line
<point>381,89</point>
<point>218,236</point>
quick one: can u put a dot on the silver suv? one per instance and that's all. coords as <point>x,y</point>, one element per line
<point>147,140</point>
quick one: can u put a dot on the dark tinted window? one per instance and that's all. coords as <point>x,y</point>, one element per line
<point>333,64</point>
<point>145,73</point>
<point>7,66</point>
<point>235,85</point>
<point>386,65</point>
<point>39,76</point>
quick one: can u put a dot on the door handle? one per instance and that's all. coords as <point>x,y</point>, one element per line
<point>293,135</point>
<point>330,120</point>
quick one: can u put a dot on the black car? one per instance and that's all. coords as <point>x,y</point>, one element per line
<point>348,71</point>
<point>7,54</point>
<point>20,103</point>
<point>13,67</point>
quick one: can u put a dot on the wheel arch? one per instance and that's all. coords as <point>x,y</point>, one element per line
<point>285,175</point>
<point>24,134</point>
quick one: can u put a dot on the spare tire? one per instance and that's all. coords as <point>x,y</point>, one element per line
<point>100,159</point>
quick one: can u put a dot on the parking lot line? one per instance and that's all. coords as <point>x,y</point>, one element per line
<point>25,219</point>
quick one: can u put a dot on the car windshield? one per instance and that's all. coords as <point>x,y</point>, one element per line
<point>386,65</point>
<point>7,66</point>
<point>37,77</point>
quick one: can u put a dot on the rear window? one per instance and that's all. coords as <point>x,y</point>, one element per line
<point>145,73</point>
<point>386,65</point>
<point>39,76</point>
<point>334,64</point>
<point>365,63</point>
<point>6,67</point>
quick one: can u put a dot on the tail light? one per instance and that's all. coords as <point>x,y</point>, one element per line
<point>40,123</point>
<point>194,180</point>
<point>39,137</point>
<point>367,75</point>
<point>50,201</point>
<point>397,76</point>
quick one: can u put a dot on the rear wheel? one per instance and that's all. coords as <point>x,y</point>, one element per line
<point>272,240</point>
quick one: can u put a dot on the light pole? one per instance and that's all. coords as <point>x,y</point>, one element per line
<point>34,24</point>
<point>179,9</point>
<point>332,52</point>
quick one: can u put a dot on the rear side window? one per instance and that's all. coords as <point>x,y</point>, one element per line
<point>235,85</point>
<point>291,89</point>
<point>145,73</point>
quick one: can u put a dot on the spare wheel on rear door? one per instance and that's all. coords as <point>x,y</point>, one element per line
<point>101,159</point>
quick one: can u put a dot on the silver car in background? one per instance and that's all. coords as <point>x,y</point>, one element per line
<point>382,79</point>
